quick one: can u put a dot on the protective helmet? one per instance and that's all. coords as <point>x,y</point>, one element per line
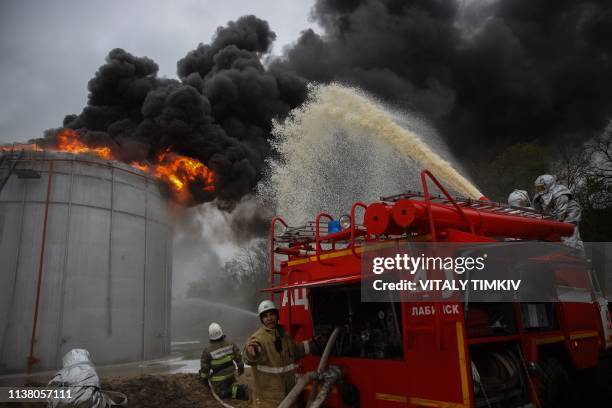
<point>519,198</point>
<point>265,306</point>
<point>215,332</point>
<point>544,183</point>
<point>75,356</point>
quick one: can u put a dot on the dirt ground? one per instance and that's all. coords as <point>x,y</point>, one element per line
<point>157,391</point>
<point>170,390</point>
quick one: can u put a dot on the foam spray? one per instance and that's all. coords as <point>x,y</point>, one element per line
<point>342,146</point>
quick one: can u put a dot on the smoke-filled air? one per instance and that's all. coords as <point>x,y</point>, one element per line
<point>484,74</point>
<point>342,146</point>
<point>216,119</point>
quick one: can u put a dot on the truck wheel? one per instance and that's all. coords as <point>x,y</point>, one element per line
<point>556,389</point>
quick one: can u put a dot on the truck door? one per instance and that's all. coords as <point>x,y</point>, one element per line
<point>437,355</point>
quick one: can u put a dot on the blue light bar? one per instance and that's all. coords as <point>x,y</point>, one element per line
<point>333,226</point>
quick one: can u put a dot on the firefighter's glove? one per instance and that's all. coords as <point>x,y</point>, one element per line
<point>253,351</point>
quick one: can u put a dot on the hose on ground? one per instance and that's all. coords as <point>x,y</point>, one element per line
<point>212,390</point>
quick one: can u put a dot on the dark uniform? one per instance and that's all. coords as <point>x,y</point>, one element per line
<point>217,364</point>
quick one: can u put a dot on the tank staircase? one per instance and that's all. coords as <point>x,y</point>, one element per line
<point>8,166</point>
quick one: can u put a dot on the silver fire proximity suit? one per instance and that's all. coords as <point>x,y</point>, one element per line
<point>80,375</point>
<point>557,201</point>
<point>519,198</point>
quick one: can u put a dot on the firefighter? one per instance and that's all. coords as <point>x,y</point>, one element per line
<point>217,364</point>
<point>557,201</point>
<point>272,353</point>
<point>80,375</point>
<point>519,198</point>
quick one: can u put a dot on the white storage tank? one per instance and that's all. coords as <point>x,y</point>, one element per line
<point>85,261</point>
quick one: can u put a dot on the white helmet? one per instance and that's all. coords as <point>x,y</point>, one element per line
<point>215,332</point>
<point>265,306</point>
<point>519,198</point>
<point>76,356</point>
<point>544,183</point>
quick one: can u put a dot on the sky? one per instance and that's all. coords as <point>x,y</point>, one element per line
<point>50,49</point>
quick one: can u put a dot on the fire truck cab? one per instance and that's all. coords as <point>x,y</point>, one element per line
<point>439,354</point>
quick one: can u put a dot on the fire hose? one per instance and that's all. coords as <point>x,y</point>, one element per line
<point>328,378</point>
<point>212,390</point>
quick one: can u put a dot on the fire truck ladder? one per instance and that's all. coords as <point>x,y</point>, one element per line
<point>463,202</point>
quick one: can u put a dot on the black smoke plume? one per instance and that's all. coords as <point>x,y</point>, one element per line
<point>490,72</point>
<point>219,112</point>
<point>484,72</point>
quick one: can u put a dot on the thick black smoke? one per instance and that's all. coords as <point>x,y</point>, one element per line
<point>219,112</point>
<point>490,72</point>
<point>484,72</point>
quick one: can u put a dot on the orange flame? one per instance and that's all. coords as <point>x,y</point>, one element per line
<point>69,141</point>
<point>180,171</point>
<point>21,146</point>
<point>177,171</point>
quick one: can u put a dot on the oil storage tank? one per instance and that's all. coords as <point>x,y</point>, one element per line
<point>85,261</point>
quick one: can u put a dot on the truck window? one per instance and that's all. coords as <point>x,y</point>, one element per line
<point>369,330</point>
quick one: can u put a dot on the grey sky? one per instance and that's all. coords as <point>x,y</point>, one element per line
<point>50,49</point>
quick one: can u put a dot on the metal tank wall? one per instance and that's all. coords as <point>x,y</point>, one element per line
<point>103,263</point>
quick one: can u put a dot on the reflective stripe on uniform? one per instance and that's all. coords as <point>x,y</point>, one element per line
<point>217,378</point>
<point>306,347</point>
<point>234,390</point>
<point>276,370</point>
<point>223,367</point>
<point>223,351</point>
<point>221,361</point>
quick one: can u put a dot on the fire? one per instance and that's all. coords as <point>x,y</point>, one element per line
<point>21,146</point>
<point>180,173</point>
<point>141,166</point>
<point>69,141</point>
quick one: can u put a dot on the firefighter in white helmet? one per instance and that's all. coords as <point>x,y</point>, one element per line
<point>272,353</point>
<point>217,365</point>
<point>557,201</point>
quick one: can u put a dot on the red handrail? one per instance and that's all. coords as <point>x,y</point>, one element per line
<point>317,235</point>
<point>41,260</point>
<point>353,224</point>
<point>271,238</point>
<point>428,203</point>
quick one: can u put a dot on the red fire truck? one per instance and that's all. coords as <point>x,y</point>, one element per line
<point>439,354</point>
